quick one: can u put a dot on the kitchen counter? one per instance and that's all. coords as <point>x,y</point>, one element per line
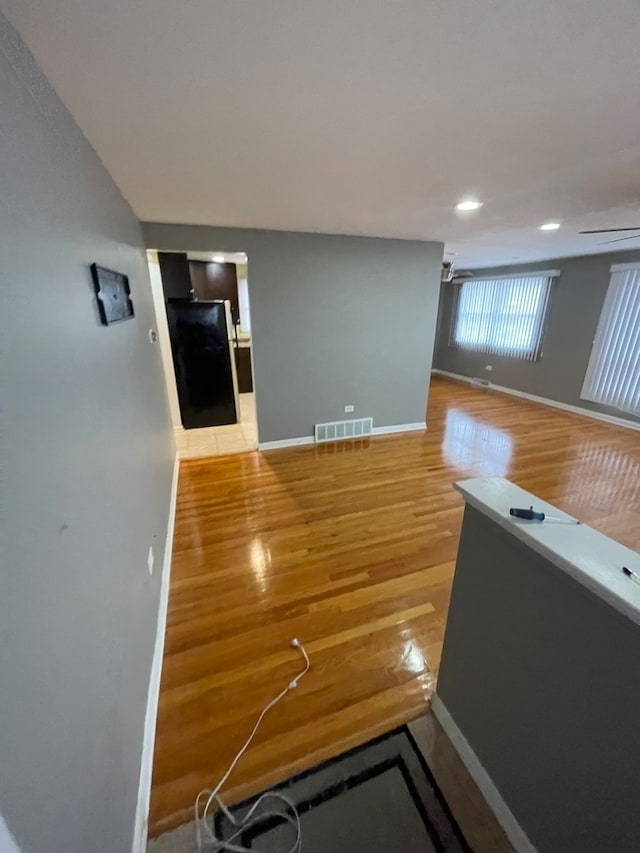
<point>243,365</point>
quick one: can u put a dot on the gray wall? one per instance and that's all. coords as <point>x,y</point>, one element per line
<point>540,676</point>
<point>86,474</point>
<point>576,301</point>
<point>334,320</point>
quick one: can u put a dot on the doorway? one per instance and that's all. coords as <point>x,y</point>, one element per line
<point>204,329</point>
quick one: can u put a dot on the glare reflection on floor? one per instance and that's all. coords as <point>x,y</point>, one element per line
<point>413,659</point>
<point>601,475</point>
<point>470,444</point>
<point>260,557</point>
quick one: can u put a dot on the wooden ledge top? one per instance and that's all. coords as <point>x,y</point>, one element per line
<point>592,558</point>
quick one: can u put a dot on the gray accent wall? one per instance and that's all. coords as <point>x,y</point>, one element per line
<point>87,461</point>
<point>540,677</point>
<point>335,321</point>
<point>574,310</point>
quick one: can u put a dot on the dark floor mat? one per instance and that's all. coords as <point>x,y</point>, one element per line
<point>380,798</point>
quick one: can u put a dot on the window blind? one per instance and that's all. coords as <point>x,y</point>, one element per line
<point>613,372</point>
<point>503,316</point>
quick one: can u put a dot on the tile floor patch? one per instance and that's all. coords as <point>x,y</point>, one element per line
<point>218,441</point>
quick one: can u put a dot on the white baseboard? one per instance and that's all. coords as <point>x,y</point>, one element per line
<point>545,401</point>
<point>501,810</point>
<point>309,439</point>
<point>286,442</point>
<point>146,763</point>
<point>387,430</point>
<point>178,433</point>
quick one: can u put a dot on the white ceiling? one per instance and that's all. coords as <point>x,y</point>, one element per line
<point>360,116</point>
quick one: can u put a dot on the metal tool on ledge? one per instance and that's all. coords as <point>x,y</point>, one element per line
<point>531,515</point>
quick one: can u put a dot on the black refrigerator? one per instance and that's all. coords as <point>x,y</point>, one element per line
<point>202,342</point>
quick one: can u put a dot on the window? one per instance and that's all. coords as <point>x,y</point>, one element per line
<point>503,316</point>
<point>613,373</point>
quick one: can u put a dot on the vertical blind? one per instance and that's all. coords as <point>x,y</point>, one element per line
<point>503,316</point>
<point>613,372</point>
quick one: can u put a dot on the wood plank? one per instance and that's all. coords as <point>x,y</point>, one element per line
<point>350,547</point>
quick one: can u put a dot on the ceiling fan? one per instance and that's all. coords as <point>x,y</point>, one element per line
<point>614,231</point>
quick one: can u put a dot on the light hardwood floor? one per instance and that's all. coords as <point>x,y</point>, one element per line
<point>479,825</point>
<point>351,548</point>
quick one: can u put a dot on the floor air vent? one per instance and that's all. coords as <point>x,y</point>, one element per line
<point>337,430</point>
<point>483,382</point>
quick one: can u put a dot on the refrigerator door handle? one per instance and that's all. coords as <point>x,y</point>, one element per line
<point>232,356</point>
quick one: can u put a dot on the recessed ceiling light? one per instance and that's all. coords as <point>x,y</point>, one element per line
<point>549,226</point>
<point>218,259</point>
<point>468,204</point>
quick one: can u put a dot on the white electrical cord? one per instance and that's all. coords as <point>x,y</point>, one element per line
<point>203,826</point>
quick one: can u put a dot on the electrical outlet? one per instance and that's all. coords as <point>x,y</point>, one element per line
<point>349,408</point>
<point>153,336</point>
<point>150,560</point>
<point>488,367</point>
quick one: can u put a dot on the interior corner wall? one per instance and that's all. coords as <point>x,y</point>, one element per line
<point>577,297</point>
<point>164,339</point>
<point>87,464</point>
<point>335,321</point>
